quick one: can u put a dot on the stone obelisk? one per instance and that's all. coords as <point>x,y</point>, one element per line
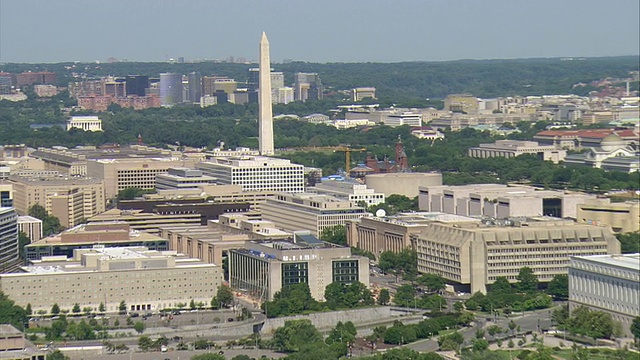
<point>265,115</point>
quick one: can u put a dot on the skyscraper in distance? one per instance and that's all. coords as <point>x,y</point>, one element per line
<point>265,115</point>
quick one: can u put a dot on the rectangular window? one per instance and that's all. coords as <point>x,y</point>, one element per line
<point>345,271</point>
<point>295,273</point>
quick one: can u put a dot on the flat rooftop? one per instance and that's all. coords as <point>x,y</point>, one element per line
<point>627,261</point>
<point>423,218</point>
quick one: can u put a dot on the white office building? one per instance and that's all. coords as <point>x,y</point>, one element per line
<point>347,190</point>
<point>255,173</point>
<point>609,283</point>
<point>182,178</point>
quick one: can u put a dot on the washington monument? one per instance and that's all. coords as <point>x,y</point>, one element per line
<point>265,115</point>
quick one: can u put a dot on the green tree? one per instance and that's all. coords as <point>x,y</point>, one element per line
<point>384,297</point>
<point>405,296</point>
<point>76,308</point>
<point>458,306</point>
<point>122,307</point>
<point>294,335</point>
<point>629,242</point>
<point>131,193</point>
<point>224,296</point>
<point>139,327</point>
<point>451,341</point>
<point>527,280</point>
<point>28,310</point>
<point>342,332</point>
<point>559,286</point>
<point>145,343</point>
<point>433,282</point>
<point>335,235</point>
<point>23,240</point>
<point>55,309</point>
<point>592,323</point>
<point>192,304</point>
<point>101,308</point>
<point>635,328</point>
<point>50,224</point>
<point>10,313</point>
<point>38,211</point>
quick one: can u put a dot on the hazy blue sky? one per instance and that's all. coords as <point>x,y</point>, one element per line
<point>317,31</point>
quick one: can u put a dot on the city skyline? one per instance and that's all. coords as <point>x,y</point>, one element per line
<point>328,31</point>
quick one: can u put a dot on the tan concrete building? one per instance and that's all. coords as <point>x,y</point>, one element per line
<point>607,283</point>
<point>107,234</point>
<point>622,217</point>
<point>14,346</point>
<point>393,233</point>
<point>216,193</point>
<point>475,254</point>
<point>262,268</point>
<point>144,279</point>
<point>56,193</point>
<point>513,148</point>
<point>146,221</point>
<point>120,174</point>
<point>203,242</point>
<point>406,184</point>
<point>74,161</point>
<point>500,201</point>
<point>311,212</point>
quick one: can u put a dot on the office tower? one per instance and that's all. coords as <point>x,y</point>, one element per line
<point>8,236</point>
<point>265,117</point>
<point>255,173</point>
<point>170,89</point>
<point>195,87</point>
<point>136,84</point>
<point>308,86</point>
<point>253,84</point>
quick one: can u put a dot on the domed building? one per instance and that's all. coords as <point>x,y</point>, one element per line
<point>614,153</point>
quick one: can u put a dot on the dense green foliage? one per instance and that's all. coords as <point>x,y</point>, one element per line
<point>629,242</point>
<point>336,235</point>
<point>291,300</point>
<point>635,327</point>
<point>294,335</point>
<point>235,125</point>
<point>521,296</point>
<point>50,224</point>
<point>583,321</point>
<point>404,263</point>
<point>559,287</point>
<point>396,203</point>
<point>343,296</point>
<point>223,298</point>
<point>10,313</point>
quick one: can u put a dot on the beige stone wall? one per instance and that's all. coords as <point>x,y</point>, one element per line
<point>406,184</point>
<point>159,288</point>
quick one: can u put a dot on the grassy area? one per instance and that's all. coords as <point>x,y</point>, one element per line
<point>594,354</point>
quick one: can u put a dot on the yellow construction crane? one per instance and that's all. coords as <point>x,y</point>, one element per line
<point>347,152</point>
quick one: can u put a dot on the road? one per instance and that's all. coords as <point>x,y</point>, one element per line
<point>531,321</point>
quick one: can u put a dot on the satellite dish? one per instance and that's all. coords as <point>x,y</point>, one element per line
<point>381,213</point>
